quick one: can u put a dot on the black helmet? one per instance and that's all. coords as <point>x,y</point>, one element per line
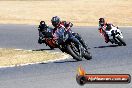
<point>101,21</point>
<point>42,25</point>
<point>55,21</point>
<point>42,22</point>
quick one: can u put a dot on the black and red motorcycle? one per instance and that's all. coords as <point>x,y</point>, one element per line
<point>67,45</point>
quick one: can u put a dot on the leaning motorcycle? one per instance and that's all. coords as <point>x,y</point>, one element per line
<point>114,35</point>
<point>67,45</point>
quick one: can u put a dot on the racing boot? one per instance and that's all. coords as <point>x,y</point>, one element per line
<point>106,38</point>
<point>40,41</point>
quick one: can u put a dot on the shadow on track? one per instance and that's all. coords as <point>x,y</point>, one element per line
<point>61,62</point>
<point>42,49</point>
<point>66,61</point>
<point>106,46</point>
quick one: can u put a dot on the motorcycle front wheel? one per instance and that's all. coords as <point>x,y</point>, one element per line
<point>121,41</point>
<point>74,51</point>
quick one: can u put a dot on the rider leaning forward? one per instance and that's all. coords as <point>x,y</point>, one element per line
<point>60,25</point>
<point>60,28</point>
<point>104,26</point>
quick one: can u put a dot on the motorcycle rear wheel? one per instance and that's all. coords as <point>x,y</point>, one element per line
<point>87,56</point>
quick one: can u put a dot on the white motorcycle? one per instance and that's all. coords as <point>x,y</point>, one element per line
<point>115,36</point>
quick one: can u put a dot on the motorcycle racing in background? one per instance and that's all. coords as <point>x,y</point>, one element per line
<point>111,33</point>
<point>45,34</point>
<point>63,38</point>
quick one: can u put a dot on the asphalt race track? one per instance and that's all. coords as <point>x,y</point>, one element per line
<point>107,58</point>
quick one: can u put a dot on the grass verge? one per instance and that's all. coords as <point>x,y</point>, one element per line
<point>11,57</point>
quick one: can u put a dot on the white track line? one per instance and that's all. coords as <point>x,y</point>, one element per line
<point>66,56</point>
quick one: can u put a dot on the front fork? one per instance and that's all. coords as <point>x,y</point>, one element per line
<point>81,40</point>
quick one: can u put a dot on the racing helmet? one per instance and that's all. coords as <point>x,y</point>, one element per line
<point>101,21</point>
<point>55,21</point>
<point>42,25</point>
<point>42,22</point>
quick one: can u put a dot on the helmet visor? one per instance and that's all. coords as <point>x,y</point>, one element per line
<point>55,23</point>
<point>101,23</point>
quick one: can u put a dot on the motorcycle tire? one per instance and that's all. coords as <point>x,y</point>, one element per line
<point>87,56</point>
<point>121,41</point>
<point>73,54</point>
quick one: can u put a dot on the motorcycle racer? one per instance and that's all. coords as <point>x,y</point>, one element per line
<point>42,29</point>
<point>103,27</point>
<point>65,27</point>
